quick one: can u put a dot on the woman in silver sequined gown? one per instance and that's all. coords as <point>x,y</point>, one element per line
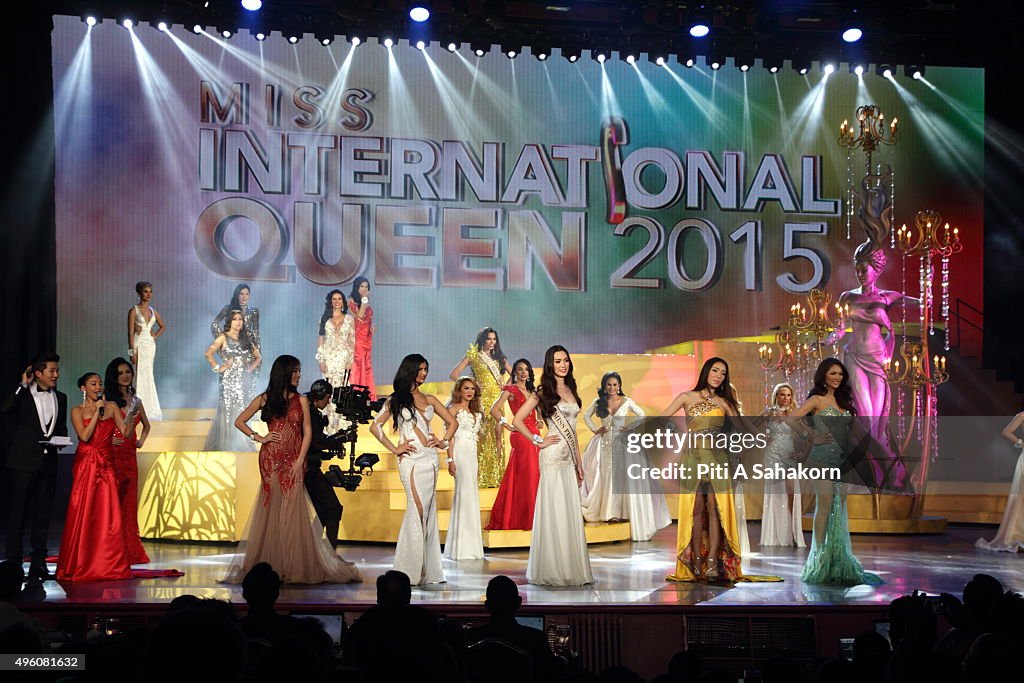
<point>238,362</point>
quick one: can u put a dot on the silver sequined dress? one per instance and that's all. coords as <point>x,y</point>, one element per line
<point>236,391</point>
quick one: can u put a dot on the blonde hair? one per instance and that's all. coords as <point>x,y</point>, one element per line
<point>456,397</point>
<point>775,395</point>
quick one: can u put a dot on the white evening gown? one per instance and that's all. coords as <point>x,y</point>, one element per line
<point>1010,537</point>
<point>781,524</point>
<point>558,545</point>
<point>418,553</point>
<point>145,352</point>
<point>465,538</point>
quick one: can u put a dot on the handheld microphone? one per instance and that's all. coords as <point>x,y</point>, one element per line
<point>101,409</point>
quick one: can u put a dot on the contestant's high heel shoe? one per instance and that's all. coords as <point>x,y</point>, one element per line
<point>716,572</point>
<point>695,563</point>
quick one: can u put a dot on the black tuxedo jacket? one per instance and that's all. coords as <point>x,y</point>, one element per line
<point>26,453</point>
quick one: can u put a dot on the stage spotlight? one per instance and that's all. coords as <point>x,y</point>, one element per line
<point>859,69</point>
<point>887,73</point>
<point>293,39</point>
<point>261,36</point>
<point>325,41</point>
<point>511,51</point>
<point>884,69</point>
<point>542,56</point>
<point>699,30</point>
<point>829,69</point>
<point>197,29</point>
<point>420,45</point>
<point>660,61</point>
<point>389,43</point>
<point>690,62</point>
<point>744,67</point>
<point>419,12</point>
<point>90,20</point>
<point>226,33</point>
<point>252,5</point>
<point>356,41</point>
<point>801,65</point>
<point>914,71</point>
<point>630,59</point>
<point>601,57</point>
<point>480,48</point>
<point>452,47</point>
<point>128,23</point>
<point>571,53</point>
<point>162,27</point>
<point>852,35</point>
<point>716,65</point>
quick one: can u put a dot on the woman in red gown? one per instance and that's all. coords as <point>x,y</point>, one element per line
<point>362,362</point>
<point>513,506</point>
<point>282,530</point>
<point>93,547</point>
<point>119,387</point>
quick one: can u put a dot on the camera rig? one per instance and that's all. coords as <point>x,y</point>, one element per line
<point>352,402</point>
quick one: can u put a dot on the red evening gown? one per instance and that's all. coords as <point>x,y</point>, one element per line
<point>513,506</point>
<point>93,547</point>
<point>126,469</point>
<point>362,361</point>
<point>282,529</point>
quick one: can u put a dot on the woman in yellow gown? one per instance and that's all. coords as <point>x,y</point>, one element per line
<point>708,536</point>
<point>489,365</point>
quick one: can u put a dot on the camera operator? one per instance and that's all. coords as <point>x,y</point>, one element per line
<point>321,492</point>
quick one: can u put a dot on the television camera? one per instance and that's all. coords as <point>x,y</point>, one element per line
<point>352,402</point>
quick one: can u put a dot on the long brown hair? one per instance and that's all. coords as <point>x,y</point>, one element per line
<point>843,393</point>
<point>456,397</point>
<point>548,392</point>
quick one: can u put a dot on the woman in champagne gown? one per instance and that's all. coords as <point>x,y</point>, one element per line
<point>118,385</point>
<point>782,512</point>
<point>489,366</point>
<point>831,560</point>
<point>558,542</point>
<point>282,530</point>
<point>517,495</point>
<point>362,359</point>
<point>465,539</point>
<point>236,370</point>
<point>93,547</point>
<point>418,552</point>
<point>144,327</point>
<point>1010,537</point>
<point>708,545</point>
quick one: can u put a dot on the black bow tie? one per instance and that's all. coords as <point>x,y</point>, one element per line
<point>42,391</point>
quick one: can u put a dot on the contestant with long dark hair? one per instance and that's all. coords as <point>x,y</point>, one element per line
<point>250,316</point>
<point>418,553</point>
<point>517,495</point>
<point>489,365</point>
<point>464,540</point>
<point>708,538</point>
<point>119,388</point>
<point>281,531</point>
<point>558,544</point>
<point>362,360</point>
<point>336,341</point>
<point>836,434</point>
<point>238,363</point>
<point>143,319</point>
<point>93,547</point>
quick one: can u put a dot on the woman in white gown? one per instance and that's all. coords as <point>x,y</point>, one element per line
<point>558,545</point>
<point>608,493</point>
<point>465,538</point>
<point>335,349</point>
<point>144,326</point>
<point>1010,537</point>
<point>418,553</point>
<point>782,512</point>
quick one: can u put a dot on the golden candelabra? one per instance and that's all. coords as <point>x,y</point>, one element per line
<point>798,342</point>
<point>873,131</point>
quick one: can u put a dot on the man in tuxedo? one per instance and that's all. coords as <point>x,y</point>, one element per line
<point>321,492</point>
<point>39,414</point>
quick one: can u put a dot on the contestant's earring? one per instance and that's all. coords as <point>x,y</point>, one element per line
<point>83,396</point>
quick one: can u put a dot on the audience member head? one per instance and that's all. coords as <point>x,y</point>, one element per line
<point>503,597</point>
<point>686,665</point>
<point>11,578</point>
<point>981,595</point>
<point>394,589</point>
<point>183,602</point>
<point>871,654</point>
<point>207,636</point>
<point>261,586</point>
<point>1007,617</point>
<point>21,638</point>
<point>991,658</point>
<point>912,620</point>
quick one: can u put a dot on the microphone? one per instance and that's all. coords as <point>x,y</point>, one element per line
<point>101,409</point>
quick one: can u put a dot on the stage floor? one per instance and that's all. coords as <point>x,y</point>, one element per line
<point>626,575</point>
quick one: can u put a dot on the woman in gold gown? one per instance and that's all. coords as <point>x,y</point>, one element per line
<point>489,366</point>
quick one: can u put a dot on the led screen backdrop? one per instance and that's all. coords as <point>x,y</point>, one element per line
<point>613,208</point>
